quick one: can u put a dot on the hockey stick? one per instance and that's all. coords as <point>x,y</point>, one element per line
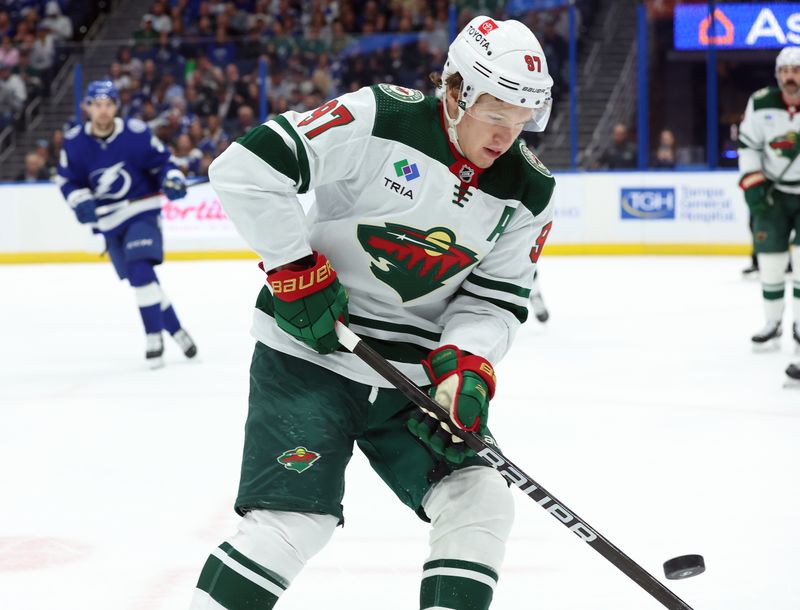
<point>103,211</point>
<point>515,475</point>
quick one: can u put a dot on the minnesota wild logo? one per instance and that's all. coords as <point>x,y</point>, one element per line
<point>298,459</point>
<point>533,160</point>
<point>786,145</point>
<point>411,261</point>
<point>402,94</point>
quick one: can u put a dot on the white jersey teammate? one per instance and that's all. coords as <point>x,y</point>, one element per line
<point>769,146</point>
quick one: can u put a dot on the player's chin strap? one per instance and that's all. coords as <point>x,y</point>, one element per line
<point>451,122</point>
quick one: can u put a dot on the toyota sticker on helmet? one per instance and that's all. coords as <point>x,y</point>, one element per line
<point>480,39</point>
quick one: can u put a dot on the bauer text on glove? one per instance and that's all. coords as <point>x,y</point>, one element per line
<point>308,301</point>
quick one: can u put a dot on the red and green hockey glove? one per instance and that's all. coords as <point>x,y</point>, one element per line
<point>308,300</point>
<point>463,384</point>
<point>756,188</point>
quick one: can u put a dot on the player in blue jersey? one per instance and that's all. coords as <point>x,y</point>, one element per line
<point>112,172</point>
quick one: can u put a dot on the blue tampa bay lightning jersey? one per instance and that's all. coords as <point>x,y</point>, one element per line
<point>122,172</point>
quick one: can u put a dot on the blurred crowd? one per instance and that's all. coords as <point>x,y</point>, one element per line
<point>191,67</point>
<point>30,32</point>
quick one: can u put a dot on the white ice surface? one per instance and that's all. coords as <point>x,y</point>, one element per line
<point>639,405</point>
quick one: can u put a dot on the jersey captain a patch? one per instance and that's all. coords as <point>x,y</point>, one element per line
<point>413,262</point>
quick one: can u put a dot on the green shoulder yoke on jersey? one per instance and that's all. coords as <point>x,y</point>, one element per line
<point>768,97</point>
<point>414,120</point>
<point>270,147</point>
<point>519,174</point>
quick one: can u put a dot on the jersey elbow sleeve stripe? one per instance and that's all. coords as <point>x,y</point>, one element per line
<point>520,312</point>
<point>499,286</point>
<point>393,327</point>
<point>302,155</point>
<point>77,196</point>
<point>268,146</point>
<point>745,142</point>
<point>492,294</point>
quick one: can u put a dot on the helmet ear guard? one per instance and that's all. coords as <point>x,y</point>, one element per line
<point>503,59</point>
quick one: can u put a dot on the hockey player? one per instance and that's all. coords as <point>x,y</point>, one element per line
<point>110,172</point>
<point>430,215</point>
<point>537,301</point>
<point>769,144</point>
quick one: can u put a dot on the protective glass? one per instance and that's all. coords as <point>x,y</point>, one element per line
<point>511,118</point>
<point>541,116</point>
<point>514,118</point>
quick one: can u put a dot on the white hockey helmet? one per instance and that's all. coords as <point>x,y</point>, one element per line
<point>789,56</point>
<point>503,59</point>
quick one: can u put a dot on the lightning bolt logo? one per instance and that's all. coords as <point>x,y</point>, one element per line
<point>111,182</point>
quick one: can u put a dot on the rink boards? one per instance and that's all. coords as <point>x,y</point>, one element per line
<point>665,212</point>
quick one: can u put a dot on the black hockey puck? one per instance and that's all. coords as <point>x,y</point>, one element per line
<point>684,566</point>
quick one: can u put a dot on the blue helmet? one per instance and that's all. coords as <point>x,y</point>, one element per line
<point>102,88</point>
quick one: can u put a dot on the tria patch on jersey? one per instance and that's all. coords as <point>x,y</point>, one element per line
<point>298,459</point>
<point>398,188</point>
<point>414,262</point>
<point>760,93</point>
<point>402,94</point>
<point>405,171</point>
<point>534,160</point>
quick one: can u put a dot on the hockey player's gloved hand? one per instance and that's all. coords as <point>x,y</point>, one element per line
<point>85,211</point>
<point>174,185</point>
<point>463,384</point>
<point>308,300</point>
<point>756,187</point>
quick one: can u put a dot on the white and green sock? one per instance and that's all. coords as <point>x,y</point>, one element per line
<point>231,581</point>
<point>452,584</point>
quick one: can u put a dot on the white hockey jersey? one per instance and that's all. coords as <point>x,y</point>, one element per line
<point>431,249</point>
<point>768,139</point>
